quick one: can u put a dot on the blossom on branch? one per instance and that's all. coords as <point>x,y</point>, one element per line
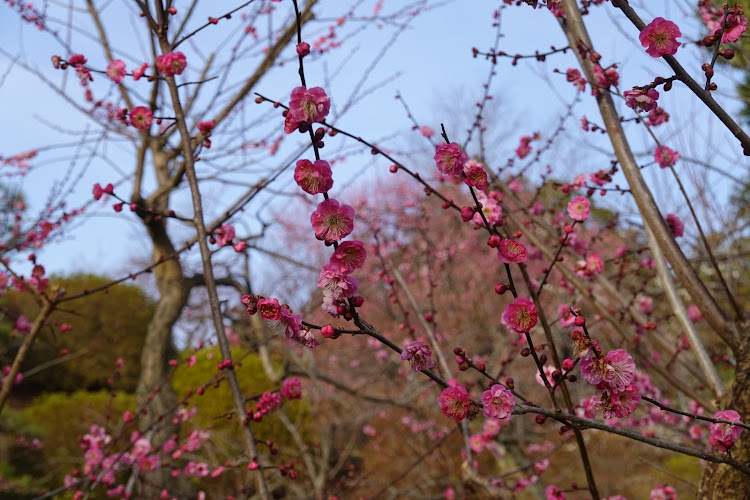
<point>665,156</point>
<point>520,315</point>
<point>116,70</point>
<point>306,106</point>
<point>723,436</point>
<point>419,356</point>
<point>171,63</point>
<point>640,100</point>
<point>579,208</point>
<point>332,220</point>
<point>313,177</point>
<point>498,402</point>
<point>455,402</point>
<point>659,37</point>
<point>450,159</point>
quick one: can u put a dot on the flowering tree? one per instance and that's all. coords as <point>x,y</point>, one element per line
<point>499,299</point>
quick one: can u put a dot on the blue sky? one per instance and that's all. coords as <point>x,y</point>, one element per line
<point>430,64</point>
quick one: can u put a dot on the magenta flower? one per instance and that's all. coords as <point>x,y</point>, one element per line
<point>426,131</point>
<point>520,315</point>
<point>511,251</point>
<point>675,225</point>
<point>116,70</point>
<point>566,317</point>
<point>315,177</point>
<point>141,117</point>
<point>694,313</point>
<point>419,356</point>
<point>657,116</point>
<point>640,100</point>
<point>620,369</point>
<point>291,388</point>
<point>332,220</point>
<point>574,76</point>
<point>736,26</point>
<point>349,256</point>
<point>171,63</point>
<point>476,177</point>
<point>450,159</point>
<point>224,235</point>
<point>620,404</point>
<point>579,208</point>
<point>589,267</point>
<point>455,402</point>
<point>554,493</point>
<point>498,402</point>
<point>659,37</point>
<point>306,105</point>
<point>524,148</point>
<point>269,309</point>
<point>723,436</point>
<point>665,492</point>
<point>206,127</point>
<point>665,156</point>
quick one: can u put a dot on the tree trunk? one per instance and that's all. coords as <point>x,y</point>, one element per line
<point>173,295</point>
<point>720,481</point>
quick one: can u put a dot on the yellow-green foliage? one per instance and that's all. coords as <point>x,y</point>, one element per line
<point>216,402</point>
<point>106,325</point>
<point>58,420</point>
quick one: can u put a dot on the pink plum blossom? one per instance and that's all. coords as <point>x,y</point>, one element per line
<point>476,177</point>
<point>426,131</point>
<point>511,251</point>
<point>554,493</point>
<point>520,315</point>
<point>141,117</point>
<point>498,402</point>
<point>640,100</point>
<point>171,63</point>
<point>676,226</point>
<point>736,26</point>
<point>349,256</point>
<point>663,493</point>
<point>665,156</point>
<point>450,159</point>
<point>723,436</point>
<point>659,37</point>
<point>491,209</point>
<point>332,220</point>
<point>269,309</point>
<point>455,402</point>
<point>308,106</point>
<point>419,356</point>
<point>579,208</point>
<point>313,177</point>
<point>694,313</point>
<point>224,235</point>
<point>291,388</point>
<point>116,70</point>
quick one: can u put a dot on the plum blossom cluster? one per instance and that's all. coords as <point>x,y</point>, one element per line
<point>665,157</point>
<point>280,319</point>
<point>613,374</point>
<point>723,436</point>
<point>224,236</point>
<point>103,464</point>
<point>171,63</point>
<point>306,107</point>
<point>335,281</point>
<point>419,356</point>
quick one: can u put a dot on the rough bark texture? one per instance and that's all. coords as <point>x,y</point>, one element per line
<point>719,481</point>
